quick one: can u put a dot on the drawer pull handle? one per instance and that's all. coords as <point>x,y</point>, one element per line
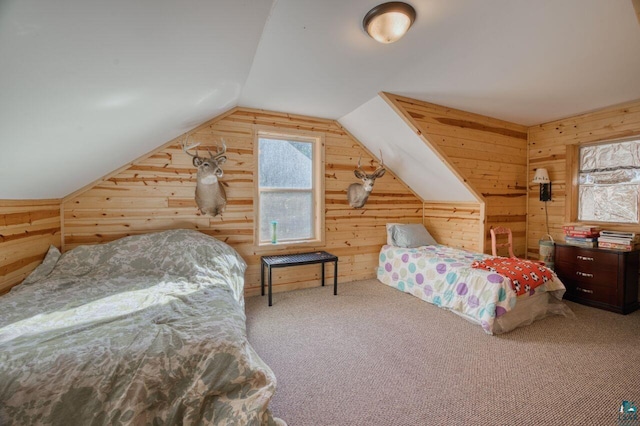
<point>590,259</point>
<point>584,274</point>
<point>584,290</point>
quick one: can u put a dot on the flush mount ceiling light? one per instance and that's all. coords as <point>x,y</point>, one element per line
<point>388,22</point>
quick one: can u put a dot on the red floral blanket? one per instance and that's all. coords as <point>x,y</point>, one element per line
<point>525,275</point>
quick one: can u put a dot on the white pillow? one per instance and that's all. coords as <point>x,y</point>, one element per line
<point>410,236</point>
<point>390,233</point>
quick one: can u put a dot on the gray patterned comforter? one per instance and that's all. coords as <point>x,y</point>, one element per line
<point>145,330</point>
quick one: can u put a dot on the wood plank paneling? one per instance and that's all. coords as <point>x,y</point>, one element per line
<point>455,224</point>
<point>552,146</point>
<point>487,154</point>
<point>156,193</point>
<point>27,229</point>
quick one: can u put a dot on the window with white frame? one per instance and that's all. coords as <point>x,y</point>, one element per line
<point>609,182</point>
<point>289,189</point>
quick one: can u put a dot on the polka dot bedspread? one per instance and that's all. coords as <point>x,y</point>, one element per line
<point>443,276</point>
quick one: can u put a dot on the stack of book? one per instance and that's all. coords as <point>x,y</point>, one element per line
<point>618,240</point>
<point>581,235</point>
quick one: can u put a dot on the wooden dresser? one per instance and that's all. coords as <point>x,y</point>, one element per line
<point>602,278</point>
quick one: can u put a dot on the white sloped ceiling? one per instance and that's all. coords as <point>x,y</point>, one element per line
<point>87,86</point>
<point>381,129</point>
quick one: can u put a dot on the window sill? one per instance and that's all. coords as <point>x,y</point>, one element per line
<point>268,248</point>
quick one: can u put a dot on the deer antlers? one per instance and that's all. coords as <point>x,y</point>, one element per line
<point>380,164</point>
<point>219,152</point>
<point>186,147</point>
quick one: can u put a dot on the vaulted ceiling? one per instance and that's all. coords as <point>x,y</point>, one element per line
<point>87,86</point>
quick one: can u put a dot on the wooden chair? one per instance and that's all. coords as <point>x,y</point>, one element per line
<point>494,244</point>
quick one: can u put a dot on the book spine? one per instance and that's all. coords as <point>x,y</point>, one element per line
<point>615,240</point>
<point>580,239</point>
<point>581,234</point>
<point>627,247</point>
<point>629,235</point>
<point>580,228</point>
<point>588,244</point>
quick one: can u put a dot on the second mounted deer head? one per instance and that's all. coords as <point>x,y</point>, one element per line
<point>358,193</point>
<point>210,194</point>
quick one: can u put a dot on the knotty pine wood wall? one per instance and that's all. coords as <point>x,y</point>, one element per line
<point>455,224</point>
<point>489,155</point>
<point>27,229</point>
<point>157,193</point>
<point>550,147</point>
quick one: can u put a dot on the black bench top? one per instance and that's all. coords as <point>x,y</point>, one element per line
<point>298,259</point>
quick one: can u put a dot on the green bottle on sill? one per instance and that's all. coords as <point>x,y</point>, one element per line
<point>274,237</point>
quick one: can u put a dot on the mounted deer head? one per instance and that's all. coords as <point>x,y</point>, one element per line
<point>210,195</point>
<point>358,193</point>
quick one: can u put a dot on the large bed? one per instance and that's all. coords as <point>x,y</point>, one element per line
<point>444,276</point>
<point>148,329</point>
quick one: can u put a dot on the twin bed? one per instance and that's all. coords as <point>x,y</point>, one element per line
<point>444,276</point>
<point>148,329</point>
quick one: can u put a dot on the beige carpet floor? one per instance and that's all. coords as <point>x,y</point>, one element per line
<point>375,356</point>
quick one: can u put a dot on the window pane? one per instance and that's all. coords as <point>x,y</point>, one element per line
<point>608,182</point>
<point>618,155</point>
<point>610,177</point>
<point>609,203</point>
<point>292,210</point>
<point>285,164</point>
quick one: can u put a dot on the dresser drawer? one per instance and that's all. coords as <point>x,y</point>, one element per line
<point>591,292</point>
<point>585,258</point>
<point>588,273</point>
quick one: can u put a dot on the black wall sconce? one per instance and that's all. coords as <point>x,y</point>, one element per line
<point>542,177</point>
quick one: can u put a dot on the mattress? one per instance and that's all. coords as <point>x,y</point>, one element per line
<point>443,276</point>
<point>145,330</point>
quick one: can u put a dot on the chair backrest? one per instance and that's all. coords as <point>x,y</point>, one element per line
<point>494,244</point>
